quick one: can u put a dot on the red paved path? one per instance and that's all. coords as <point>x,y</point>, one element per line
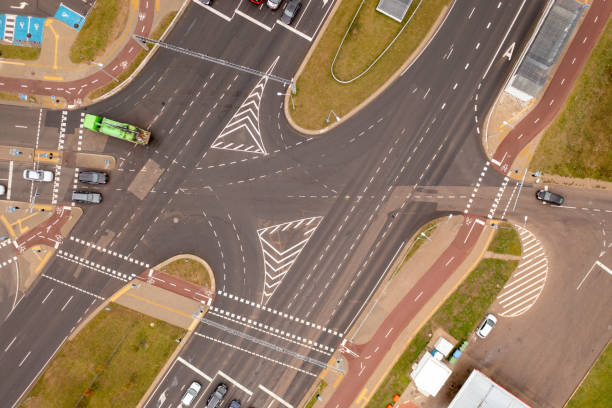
<point>177,285</point>
<point>371,353</point>
<point>47,233</point>
<point>74,91</point>
<point>559,88</point>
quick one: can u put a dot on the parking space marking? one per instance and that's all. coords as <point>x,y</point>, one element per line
<point>527,282</point>
<point>276,397</point>
<point>253,20</point>
<point>194,368</point>
<point>236,383</point>
<point>293,30</point>
<point>214,11</point>
<point>10,180</point>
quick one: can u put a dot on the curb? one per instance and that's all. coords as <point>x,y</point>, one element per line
<point>406,65</point>
<point>195,258</point>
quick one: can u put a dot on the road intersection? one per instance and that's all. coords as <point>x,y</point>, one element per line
<point>226,204</point>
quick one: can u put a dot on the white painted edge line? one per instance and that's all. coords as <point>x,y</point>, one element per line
<point>253,20</point>
<point>276,397</point>
<point>194,368</point>
<point>214,11</point>
<point>604,267</point>
<point>236,383</point>
<point>298,32</point>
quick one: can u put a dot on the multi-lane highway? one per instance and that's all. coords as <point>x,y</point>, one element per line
<point>287,222</point>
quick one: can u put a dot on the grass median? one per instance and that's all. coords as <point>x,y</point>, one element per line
<point>104,23</point>
<point>318,92</point>
<point>189,270</point>
<point>506,240</point>
<point>596,389</point>
<point>19,52</point>
<point>458,315</point>
<point>156,35</point>
<point>579,143</point>
<point>111,362</point>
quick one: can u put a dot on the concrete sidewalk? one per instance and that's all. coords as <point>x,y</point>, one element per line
<point>55,81</point>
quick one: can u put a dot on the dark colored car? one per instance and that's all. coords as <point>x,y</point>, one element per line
<point>207,2</point>
<point>93,177</point>
<point>291,10</point>
<point>549,197</point>
<point>87,197</point>
<point>217,396</point>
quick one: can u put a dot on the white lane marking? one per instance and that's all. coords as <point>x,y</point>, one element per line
<point>43,301</point>
<point>24,359</point>
<point>10,180</point>
<point>194,368</point>
<point>276,397</point>
<point>10,344</point>
<point>504,39</point>
<point>66,304</point>
<point>236,383</point>
<point>21,126</point>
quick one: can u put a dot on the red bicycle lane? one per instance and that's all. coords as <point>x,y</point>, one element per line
<point>369,355</point>
<point>74,91</point>
<point>558,89</point>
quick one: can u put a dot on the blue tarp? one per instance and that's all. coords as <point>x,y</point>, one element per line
<point>69,17</point>
<point>28,29</point>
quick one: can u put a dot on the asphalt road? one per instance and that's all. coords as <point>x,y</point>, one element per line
<point>224,205</point>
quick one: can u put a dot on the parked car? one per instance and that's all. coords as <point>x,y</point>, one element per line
<point>217,396</point>
<point>191,393</point>
<point>206,2</point>
<point>93,177</point>
<point>87,197</point>
<point>38,175</point>
<point>549,197</point>
<point>486,326</point>
<point>274,4</point>
<point>2,189</point>
<point>234,404</point>
<point>291,10</point>
<point>257,2</point>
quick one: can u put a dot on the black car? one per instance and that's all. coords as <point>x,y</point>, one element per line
<point>93,177</point>
<point>549,197</point>
<point>217,396</point>
<point>291,10</point>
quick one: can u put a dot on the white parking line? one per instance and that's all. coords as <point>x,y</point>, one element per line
<point>288,27</point>
<point>253,20</point>
<point>236,383</point>
<point>10,180</point>
<point>194,368</point>
<point>276,397</point>
<point>214,11</point>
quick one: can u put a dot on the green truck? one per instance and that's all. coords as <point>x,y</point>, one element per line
<point>116,129</point>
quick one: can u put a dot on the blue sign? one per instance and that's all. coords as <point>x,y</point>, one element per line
<point>23,96</point>
<point>70,17</point>
<point>2,24</point>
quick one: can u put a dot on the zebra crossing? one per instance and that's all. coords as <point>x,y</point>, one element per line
<point>281,245</point>
<point>527,282</point>
<point>242,133</point>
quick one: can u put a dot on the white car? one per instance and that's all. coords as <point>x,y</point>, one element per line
<point>486,326</point>
<point>2,189</point>
<point>38,175</point>
<point>191,393</point>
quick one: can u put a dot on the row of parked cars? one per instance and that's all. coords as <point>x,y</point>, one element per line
<point>87,177</point>
<point>291,9</point>
<point>214,399</point>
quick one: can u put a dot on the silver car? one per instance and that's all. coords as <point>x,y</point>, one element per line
<point>38,175</point>
<point>486,326</point>
<point>274,4</point>
<point>191,393</point>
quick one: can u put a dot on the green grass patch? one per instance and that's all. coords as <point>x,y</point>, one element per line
<point>419,240</point>
<point>189,270</point>
<point>156,35</point>
<point>506,240</point>
<point>111,362</point>
<point>101,27</point>
<point>318,92</point>
<point>458,315</point>
<point>579,143</point>
<point>19,52</point>
<point>320,387</point>
<point>596,389</point>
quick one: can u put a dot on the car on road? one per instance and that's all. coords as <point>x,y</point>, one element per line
<point>217,396</point>
<point>548,197</point>
<point>274,4</point>
<point>93,177</point>
<point>234,404</point>
<point>191,393</point>
<point>291,10</point>
<point>86,197</point>
<point>486,326</point>
<point>38,175</point>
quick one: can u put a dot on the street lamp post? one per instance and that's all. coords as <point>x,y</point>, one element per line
<point>102,69</point>
<point>329,116</point>
<point>290,97</point>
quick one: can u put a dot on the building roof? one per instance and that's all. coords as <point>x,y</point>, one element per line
<point>480,391</point>
<point>430,375</point>
<point>396,9</point>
